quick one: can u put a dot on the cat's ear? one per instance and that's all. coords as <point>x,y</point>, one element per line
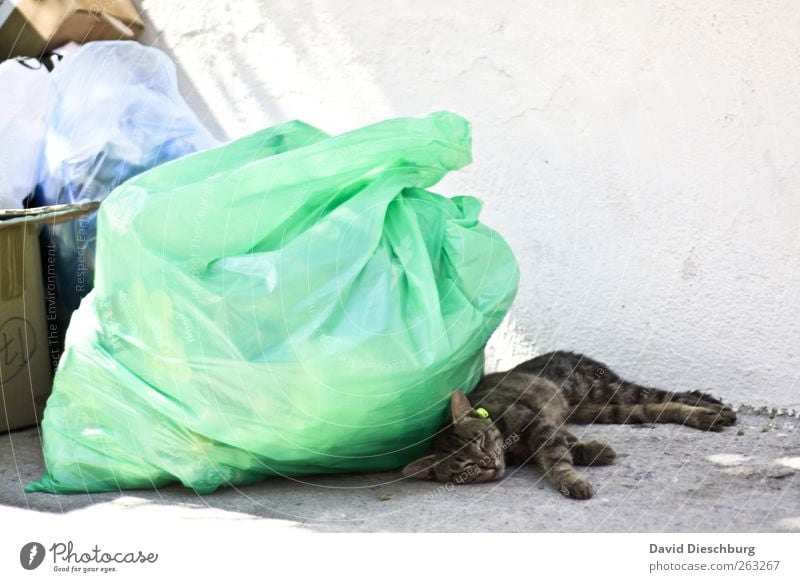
<point>459,406</point>
<point>421,468</point>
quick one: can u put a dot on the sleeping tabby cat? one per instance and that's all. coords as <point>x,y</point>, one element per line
<point>519,417</point>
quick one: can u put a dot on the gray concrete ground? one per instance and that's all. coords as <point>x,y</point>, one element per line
<point>667,478</point>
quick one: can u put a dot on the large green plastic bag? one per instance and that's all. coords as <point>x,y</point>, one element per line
<point>286,304</point>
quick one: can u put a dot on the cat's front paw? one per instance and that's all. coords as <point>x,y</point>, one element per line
<point>727,415</point>
<point>592,453</point>
<point>576,489</point>
<point>711,418</point>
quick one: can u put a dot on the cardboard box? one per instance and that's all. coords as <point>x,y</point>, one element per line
<point>30,28</point>
<point>25,322</point>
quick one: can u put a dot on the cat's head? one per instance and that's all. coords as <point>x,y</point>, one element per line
<point>468,450</point>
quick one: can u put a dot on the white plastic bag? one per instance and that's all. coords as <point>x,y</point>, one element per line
<point>23,100</point>
<point>24,88</point>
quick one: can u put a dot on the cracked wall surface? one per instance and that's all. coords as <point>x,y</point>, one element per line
<point>640,158</point>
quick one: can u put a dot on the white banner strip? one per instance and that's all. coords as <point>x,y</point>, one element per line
<point>162,543</point>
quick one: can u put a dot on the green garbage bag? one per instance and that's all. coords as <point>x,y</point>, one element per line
<point>286,304</point>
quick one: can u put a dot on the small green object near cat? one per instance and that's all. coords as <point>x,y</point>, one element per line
<point>520,416</point>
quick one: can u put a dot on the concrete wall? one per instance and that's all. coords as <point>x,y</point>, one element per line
<point>641,158</point>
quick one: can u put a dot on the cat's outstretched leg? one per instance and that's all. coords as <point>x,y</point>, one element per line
<point>620,402</point>
<point>629,393</point>
<point>550,449</point>
<point>676,412</point>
